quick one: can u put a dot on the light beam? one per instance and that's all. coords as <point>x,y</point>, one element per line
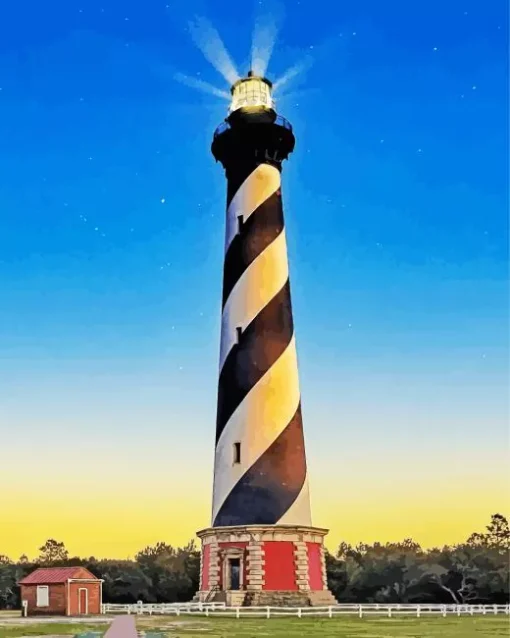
<point>200,85</point>
<point>263,41</point>
<point>208,40</point>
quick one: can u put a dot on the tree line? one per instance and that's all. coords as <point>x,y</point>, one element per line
<point>474,572</point>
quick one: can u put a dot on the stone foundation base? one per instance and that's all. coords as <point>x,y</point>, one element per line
<point>269,598</point>
<point>264,566</point>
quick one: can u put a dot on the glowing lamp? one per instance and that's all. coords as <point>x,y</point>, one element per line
<point>251,93</point>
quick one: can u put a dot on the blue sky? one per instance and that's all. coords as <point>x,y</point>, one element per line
<point>112,223</point>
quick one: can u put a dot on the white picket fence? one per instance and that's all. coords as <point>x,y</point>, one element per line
<point>362,611</point>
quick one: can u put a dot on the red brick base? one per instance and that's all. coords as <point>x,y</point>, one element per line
<point>279,564</point>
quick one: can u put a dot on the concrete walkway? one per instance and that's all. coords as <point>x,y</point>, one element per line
<point>122,627</point>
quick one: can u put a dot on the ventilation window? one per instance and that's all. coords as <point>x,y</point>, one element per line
<point>237,453</point>
<point>239,333</point>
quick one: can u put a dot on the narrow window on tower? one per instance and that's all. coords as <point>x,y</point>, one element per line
<point>239,332</point>
<point>237,453</point>
<point>240,224</point>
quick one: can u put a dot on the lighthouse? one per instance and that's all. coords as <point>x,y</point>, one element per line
<point>261,548</point>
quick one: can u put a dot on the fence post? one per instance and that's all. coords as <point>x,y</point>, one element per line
<point>177,611</point>
<point>418,611</point>
<point>207,611</point>
<point>495,609</point>
<point>389,612</point>
<point>299,612</point>
<point>268,612</point>
<point>360,611</point>
<point>458,610</point>
<point>330,612</point>
<point>443,609</point>
<point>237,612</point>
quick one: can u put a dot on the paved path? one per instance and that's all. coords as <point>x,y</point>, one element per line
<point>122,627</point>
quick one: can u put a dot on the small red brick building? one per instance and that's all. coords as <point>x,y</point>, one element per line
<point>61,591</point>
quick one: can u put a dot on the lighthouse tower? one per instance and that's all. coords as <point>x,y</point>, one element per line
<point>261,548</point>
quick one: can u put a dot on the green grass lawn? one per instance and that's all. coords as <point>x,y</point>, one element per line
<point>172,627</point>
<point>48,629</point>
<point>472,627</point>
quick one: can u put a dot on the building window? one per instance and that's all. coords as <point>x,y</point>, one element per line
<point>43,596</point>
<point>237,453</point>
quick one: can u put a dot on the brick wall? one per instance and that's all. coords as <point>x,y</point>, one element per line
<point>58,605</point>
<point>314,566</point>
<point>275,558</point>
<point>279,566</point>
<point>57,600</point>
<point>94,596</point>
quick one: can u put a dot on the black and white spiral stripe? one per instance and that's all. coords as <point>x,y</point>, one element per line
<point>258,394</point>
